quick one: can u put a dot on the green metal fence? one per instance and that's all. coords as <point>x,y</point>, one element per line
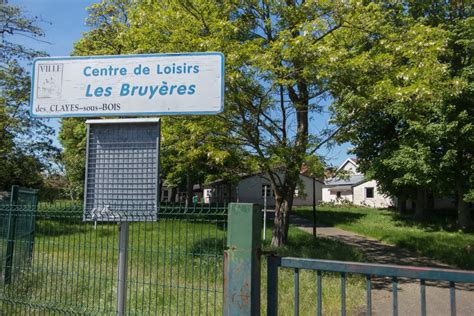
<point>175,264</point>
<point>17,231</point>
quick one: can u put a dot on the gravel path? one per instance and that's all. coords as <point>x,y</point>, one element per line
<point>437,293</point>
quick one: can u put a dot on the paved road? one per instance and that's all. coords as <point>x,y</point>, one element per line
<point>437,293</point>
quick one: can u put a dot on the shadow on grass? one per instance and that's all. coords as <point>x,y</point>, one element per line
<point>209,246</point>
<point>44,228</point>
<point>435,220</point>
<point>303,245</point>
<point>331,218</point>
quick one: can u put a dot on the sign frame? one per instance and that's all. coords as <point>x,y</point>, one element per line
<point>156,113</point>
<point>123,122</point>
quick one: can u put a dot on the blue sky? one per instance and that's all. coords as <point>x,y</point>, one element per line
<point>63,22</point>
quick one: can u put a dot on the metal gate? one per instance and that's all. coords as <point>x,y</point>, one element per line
<point>369,271</point>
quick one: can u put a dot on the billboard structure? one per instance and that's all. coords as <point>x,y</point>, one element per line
<point>128,85</point>
<point>122,170</point>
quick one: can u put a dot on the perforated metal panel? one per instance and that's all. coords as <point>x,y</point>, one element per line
<point>122,170</point>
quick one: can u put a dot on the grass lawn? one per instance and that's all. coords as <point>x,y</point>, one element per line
<point>175,267</point>
<point>437,237</point>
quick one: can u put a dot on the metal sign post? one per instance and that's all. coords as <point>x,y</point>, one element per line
<point>122,181</point>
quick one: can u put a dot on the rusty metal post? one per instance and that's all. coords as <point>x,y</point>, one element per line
<point>242,260</point>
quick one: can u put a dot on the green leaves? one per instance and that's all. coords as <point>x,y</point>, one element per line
<point>403,88</point>
<point>25,142</point>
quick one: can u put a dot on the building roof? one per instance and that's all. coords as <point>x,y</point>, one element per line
<point>352,160</point>
<point>340,188</point>
<point>352,180</point>
<point>250,175</point>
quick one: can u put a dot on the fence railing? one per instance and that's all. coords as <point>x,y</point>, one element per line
<point>175,264</point>
<point>370,271</point>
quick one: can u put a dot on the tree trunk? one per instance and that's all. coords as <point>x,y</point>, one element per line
<point>420,203</point>
<point>281,222</point>
<point>464,213</point>
<point>402,204</point>
<point>284,203</point>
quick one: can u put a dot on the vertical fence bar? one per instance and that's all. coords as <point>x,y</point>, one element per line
<point>242,260</point>
<point>11,226</point>
<point>343,294</point>
<point>423,297</point>
<point>297,292</point>
<point>272,285</point>
<point>32,219</point>
<point>395,296</point>
<point>369,295</point>
<point>320,293</point>
<point>122,269</point>
<point>452,295</point>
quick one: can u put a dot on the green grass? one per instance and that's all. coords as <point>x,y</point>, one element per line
<point>175,267</point>
<point>435,238</point>
<point>302,244</point>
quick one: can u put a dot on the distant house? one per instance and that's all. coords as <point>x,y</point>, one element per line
<point>168,193</point>
<point>171,193</point>
<point>354,187</point>
<point>251,189</point>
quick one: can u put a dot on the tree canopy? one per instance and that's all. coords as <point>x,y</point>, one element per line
<point>408,108</point>
<point>25,143</point>
<point>399,80</point>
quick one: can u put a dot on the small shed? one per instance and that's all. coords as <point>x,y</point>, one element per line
<point>251,189</point>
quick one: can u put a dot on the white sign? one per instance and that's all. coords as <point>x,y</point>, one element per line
<point>128,85</point>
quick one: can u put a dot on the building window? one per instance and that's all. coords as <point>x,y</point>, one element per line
<point>369,193</point>
<point>269,190</point>
<point>338,194</point>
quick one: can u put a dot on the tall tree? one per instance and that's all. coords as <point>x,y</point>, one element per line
<point>273,81</point>
<point>280,58</point>
<point>416,132</point>
<point>456,113</point>
<point>25,142</point>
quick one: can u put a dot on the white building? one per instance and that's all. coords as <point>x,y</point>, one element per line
<point>251,189</point>
<point>354,187</point>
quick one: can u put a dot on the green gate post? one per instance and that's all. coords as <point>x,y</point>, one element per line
<point>7,269</point>
<point>242,260</point>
